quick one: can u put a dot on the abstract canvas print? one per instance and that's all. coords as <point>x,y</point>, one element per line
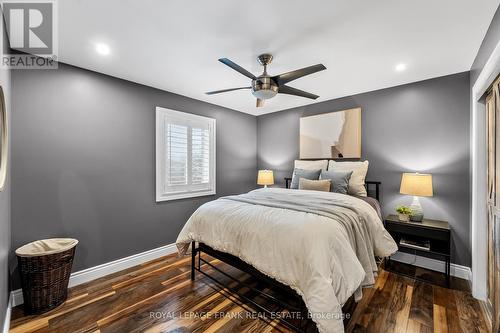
<point>331,135</point>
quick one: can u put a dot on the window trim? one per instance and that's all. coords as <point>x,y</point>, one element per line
<point>161,195</point>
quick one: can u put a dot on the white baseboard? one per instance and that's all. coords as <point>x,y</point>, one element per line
<point>459,271</point>
<point>6,323</point>
<point>99,271</point>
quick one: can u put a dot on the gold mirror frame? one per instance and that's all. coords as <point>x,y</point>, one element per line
<point>4,141</point>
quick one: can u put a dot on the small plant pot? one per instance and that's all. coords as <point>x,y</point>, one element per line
<point>404,217</point>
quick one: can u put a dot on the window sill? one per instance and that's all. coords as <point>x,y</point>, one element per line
<point>177,196</point>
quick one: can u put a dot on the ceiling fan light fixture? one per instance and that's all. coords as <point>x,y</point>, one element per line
<point>265,93</point>
<point>266,86</point>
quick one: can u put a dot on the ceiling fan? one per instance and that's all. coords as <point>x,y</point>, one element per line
<point>266,86</point>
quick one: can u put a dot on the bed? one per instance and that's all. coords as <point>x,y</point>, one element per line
<point>320,246</point>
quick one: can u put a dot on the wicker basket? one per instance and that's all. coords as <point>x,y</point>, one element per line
<point>45,278</point>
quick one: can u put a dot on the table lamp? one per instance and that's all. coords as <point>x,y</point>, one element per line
<point>265,177</point>
<point>418,185</point>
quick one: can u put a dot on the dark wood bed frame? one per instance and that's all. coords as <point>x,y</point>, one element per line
<point>293,303</point>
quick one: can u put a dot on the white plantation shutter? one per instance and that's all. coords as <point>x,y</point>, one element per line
<point>200,161</point>
<point>176,154</point>
<point>185,155</point>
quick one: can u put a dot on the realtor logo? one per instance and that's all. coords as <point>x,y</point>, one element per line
<point>31,31</point>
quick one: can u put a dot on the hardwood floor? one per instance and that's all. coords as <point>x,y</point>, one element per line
<point>159,297</point>
<point>400,304</point>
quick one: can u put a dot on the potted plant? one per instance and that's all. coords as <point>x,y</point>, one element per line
<point>404,213</point>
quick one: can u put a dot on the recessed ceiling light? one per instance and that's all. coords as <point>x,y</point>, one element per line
<point>102,49</point>
<point>400,67</point>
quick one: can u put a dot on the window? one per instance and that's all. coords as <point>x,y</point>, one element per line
<point>185,155</point>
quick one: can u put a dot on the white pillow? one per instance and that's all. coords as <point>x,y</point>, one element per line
<point>358,177</point>
<point>311,165</point>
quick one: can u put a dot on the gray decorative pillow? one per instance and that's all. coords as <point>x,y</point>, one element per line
<point>301,173</point>
<point>339,179</point>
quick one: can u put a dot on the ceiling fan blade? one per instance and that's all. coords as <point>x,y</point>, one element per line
<point>260,103</point>
<point>293,75</point>
<point>294,91</point>
<point>225,90</point>
<point>237,68</point>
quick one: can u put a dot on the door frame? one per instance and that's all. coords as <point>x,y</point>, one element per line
<point>479,222</point>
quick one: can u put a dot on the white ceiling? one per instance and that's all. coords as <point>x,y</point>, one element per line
<point>174,45</point>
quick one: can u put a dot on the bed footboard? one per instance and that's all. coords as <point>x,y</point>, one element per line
<point>292,303</point>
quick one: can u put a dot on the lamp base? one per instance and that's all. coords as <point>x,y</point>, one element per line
<point>417,211</point>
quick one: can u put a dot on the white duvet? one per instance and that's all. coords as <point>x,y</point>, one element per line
<point>321,244</point>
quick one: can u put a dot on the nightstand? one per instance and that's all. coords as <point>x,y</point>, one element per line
<point>429,238</point>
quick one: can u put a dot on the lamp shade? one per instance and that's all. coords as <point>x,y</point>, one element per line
<point>265,177</point>
<point>417,184</point>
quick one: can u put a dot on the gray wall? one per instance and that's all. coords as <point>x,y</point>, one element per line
<point>83,162</point>
<point>5,215</point>
<point>422,126</point>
